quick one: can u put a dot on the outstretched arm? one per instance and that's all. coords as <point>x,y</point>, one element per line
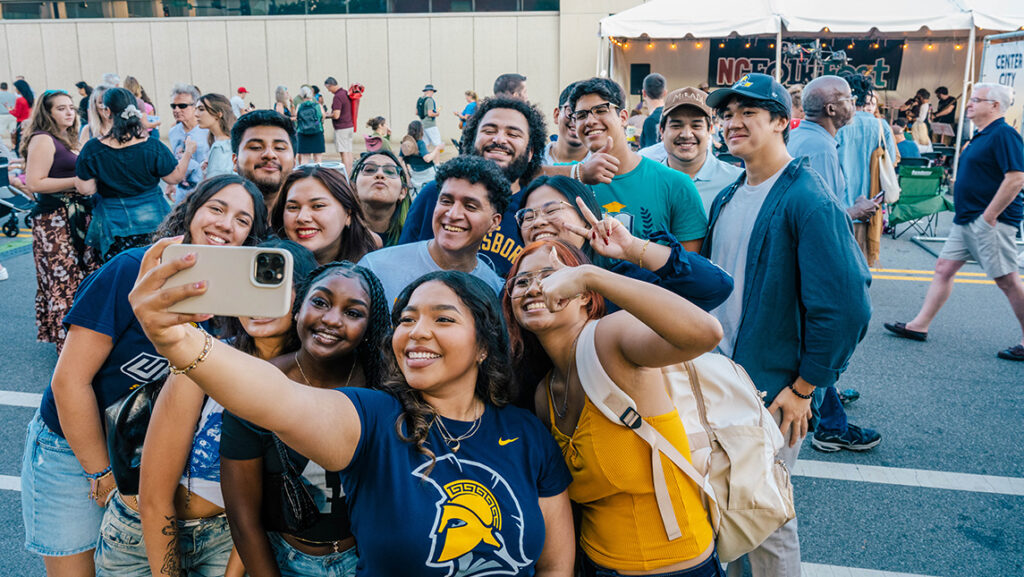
<point>251,388</point>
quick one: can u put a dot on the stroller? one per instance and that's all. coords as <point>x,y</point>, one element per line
<point>13,203</point>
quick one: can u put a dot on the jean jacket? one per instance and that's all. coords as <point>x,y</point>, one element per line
<point>805,295</point>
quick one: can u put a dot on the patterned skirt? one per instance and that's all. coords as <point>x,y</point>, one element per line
<point>59,269</point>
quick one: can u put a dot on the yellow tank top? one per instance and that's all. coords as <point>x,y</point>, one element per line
<point>612,481</point>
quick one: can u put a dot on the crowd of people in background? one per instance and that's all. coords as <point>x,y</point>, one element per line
<point>426,387</point>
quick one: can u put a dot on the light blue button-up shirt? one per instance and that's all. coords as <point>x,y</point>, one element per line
<point>857,140</point>
<point>712,177</point>
<point>811,140</point>
<point>194,176</point>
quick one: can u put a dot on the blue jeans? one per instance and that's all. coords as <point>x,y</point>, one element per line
<point>831,415</point>
<point>295,563</point>
<point>60,518</point>
<point>203,545</point>
<point>711,567</point>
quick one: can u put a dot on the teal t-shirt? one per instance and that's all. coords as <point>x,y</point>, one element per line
<point>653,197</point>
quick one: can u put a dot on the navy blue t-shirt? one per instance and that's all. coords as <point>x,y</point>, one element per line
<point>475,514</point>
<point>992,153</point>
<point>101,304</point>
<point>500,248</point>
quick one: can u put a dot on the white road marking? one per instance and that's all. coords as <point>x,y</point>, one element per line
<point>19,399</point>
<point>9,483</point>
<point>911,477</point>
<point>815,570</point>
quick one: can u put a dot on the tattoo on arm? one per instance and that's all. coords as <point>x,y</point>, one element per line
<point>172,563</point>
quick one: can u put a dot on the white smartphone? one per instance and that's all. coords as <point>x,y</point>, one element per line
<point>242,281</point>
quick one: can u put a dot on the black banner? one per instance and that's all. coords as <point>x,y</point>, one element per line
<point>802,62</point>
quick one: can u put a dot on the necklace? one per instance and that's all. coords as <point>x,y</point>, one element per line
<point>305,378</point>
<point>453,442</point>
<point>565,400</point>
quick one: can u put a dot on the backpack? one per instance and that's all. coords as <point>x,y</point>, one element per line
<point>421,111</point>
<point>733,442</point>
<point>308,119</point>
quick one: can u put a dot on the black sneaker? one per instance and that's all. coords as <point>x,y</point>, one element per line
<point>855,439</point>
<point>1014,353</point>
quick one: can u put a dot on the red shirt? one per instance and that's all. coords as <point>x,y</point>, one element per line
<point>21,110</point>
<point>794,122</point>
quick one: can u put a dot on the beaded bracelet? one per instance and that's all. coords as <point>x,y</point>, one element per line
<point>207,345</point>
<point>94,476</point>
<point>799,394</point>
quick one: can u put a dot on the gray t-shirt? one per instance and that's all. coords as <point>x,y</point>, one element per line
<point>429,106</point>
<point>729,245</point>
<point>7,98</point>
<point>398,266</point>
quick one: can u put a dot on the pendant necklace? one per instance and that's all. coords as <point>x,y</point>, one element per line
<point>453,442</point>
<point>565,400</point>
<point>305,378</point>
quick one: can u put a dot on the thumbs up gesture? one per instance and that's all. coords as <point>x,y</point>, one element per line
<point>601,167</point>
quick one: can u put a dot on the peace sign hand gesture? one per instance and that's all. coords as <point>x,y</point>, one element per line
<point>608,237</point>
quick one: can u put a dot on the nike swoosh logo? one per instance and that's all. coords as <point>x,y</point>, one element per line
<point>504,442</point>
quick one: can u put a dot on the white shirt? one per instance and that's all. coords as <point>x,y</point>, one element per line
<point>237,105</point>
<point>729,246</point>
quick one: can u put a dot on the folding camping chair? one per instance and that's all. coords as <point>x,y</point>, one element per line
<point>921,200</point>
<point>915,162</point>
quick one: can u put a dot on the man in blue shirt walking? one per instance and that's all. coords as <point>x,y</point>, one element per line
<point>828,106</point>
<point>988,211</point>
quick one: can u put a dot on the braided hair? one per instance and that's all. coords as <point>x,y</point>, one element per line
<point>369,353</point>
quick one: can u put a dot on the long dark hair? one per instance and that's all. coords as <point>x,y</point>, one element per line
<point>26,92</point>
<point>401,208</point>
<point>125,123</point>
<point>571,189</point>
<point>303,264</point>
<point>375,340</point>
<point>178,221</point>
<point>494,383</point>
<point>356,239</point>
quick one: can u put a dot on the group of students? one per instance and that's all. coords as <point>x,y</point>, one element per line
<point>429,396</point>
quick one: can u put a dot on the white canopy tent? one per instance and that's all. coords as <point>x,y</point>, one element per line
<point>675,19</point>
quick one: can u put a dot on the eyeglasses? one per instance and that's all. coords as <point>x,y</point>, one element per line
<point>845,99</point>
<point>370,169</point>
<point>599,110</point>
<point>519,285</point>
<point>527,217</point>
<point>181,105</point>
<point>976,100</point>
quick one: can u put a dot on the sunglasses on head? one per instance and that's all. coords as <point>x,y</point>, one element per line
<point>181,105</point>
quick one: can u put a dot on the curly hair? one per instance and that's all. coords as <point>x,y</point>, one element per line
<point>494,385</point>
<point>356,239</point>
<point>477,169</point>
<point>42,121</point>
<point>375,340</point>
<point>303,264</point>
<point>860,85</point>
<point>178,221</point>
<point>398,217</point>
<point>538,134</point>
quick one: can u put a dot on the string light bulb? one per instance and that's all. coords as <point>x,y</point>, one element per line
<point>957,47</point>
<point>699,45</point>
<point>672,46</point>
<point>747,45</point>
<point>772,45</point>
<point>721,44</point>
<point>929,46</point>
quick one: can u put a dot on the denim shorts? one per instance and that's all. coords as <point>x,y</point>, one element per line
<point>711,567</point>
<point>60,518</point>
<point>204,545</point>
<point>295,563</point>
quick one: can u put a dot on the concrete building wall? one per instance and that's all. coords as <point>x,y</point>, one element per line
<point>394,56</point>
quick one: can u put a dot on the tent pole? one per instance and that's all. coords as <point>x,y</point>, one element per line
<point>968,81</point>
<point>611,60</point>
<point>778,54</point>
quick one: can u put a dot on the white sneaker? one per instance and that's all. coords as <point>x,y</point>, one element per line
<point>3,274</point>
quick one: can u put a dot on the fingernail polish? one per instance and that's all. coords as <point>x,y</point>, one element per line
<point>199,284</point>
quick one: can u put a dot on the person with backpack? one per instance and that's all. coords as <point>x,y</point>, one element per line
<point>309,128</point>
<point>380,139</point>
<point>426,111</point>
<point>554,302</point>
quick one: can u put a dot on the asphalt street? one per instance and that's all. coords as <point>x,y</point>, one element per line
<point>949,411</point>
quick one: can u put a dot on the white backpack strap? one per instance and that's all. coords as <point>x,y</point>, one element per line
<point>618,407</point>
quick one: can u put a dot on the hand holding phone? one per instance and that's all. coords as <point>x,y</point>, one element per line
<point>242,281</point>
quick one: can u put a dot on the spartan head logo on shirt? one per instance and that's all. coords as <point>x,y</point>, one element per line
<point>478,529</point>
